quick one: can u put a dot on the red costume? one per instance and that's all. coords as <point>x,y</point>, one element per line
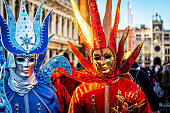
<point>93,97</point>
<point>69,83</point>
<point>103,90</point>
<point>63,97</point>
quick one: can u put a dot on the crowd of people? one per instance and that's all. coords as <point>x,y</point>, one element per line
<point>160,77</point>
<point>155,82</point>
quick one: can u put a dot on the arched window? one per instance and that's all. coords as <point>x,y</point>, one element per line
<point>17,9</point>
<point>50,23</point>
<point>62,26</point>
<point>4,12</point>
<point>166,52</point>
<point>72,30</point>
<point>35,10</point>
<point>43,15</point>
<point>56,24</point>
<point>27,7</point>
<point>51,53</point>
<point>72,57</point>
<point>56,51</point>
<point>68,27</point>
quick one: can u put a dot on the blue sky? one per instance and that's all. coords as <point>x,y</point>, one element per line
<point>143,10</point>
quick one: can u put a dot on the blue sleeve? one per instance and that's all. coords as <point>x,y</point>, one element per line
<point>49,97</point>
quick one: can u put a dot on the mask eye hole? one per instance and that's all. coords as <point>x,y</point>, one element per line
<point>97,58</point>
<point>20,59</point>
<point>107,56</point>
<point>31,59</point>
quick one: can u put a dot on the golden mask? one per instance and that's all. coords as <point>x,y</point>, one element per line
<point>103,60</point>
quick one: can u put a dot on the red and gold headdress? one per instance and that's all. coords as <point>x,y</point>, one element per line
<point>94,37</point>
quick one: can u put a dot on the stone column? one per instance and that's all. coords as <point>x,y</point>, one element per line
<point>75,34</point>
<point>143,50</point>
<point>56,25</point>
<point>54,52</point>
<point>50,24</point>
<point>13,6</point>
<point>151,48</point>
<point>47,55</point>
<point>75,60</point>
<point>10,4</point>
<point>53,26</point>
<point>70,29</point>
<point>32,11</point>
<point>143,55</point>
<point>42,19</point>
<point>59,25</point>
<point>65,27</point>
<point>1,7</point>
<point>70,57</point>
<point>73,31</point>
<point>163,48</point>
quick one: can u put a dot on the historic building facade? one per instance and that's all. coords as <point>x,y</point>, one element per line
<point>59,23</point>
<point>156,48</point>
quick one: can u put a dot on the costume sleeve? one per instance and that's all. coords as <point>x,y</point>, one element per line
<point>148,90</point>
<point>49,97</point>
<point>54,107</point>
<point>76,103</point>
<point>63,97</point>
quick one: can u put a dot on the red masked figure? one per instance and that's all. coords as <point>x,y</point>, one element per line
<point>103,90</point>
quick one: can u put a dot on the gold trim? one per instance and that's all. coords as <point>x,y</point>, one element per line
<point>107,99</point>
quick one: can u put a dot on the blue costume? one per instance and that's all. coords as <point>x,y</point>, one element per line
<point>40,99</point>
<point>23,88</point>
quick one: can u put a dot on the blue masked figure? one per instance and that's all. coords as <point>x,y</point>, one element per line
<point>23,88</point>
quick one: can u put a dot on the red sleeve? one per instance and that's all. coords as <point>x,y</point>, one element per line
<point>63,97</point>
<point>76,104</point>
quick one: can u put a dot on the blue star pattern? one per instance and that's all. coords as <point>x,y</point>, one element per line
<point>26,41</point>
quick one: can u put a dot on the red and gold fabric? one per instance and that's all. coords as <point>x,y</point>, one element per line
<point>105,87</point>
<point>119,96</point>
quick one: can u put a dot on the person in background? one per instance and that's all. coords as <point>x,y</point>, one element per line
<point>142,79</point>
<point>160,72</point>
<point>150,74</point>
<point>165,83</point>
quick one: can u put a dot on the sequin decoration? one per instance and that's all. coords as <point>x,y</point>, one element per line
<point>130,100</point>
<point>98,34</point>
<point>25,35</point>
<point>113,37</point>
